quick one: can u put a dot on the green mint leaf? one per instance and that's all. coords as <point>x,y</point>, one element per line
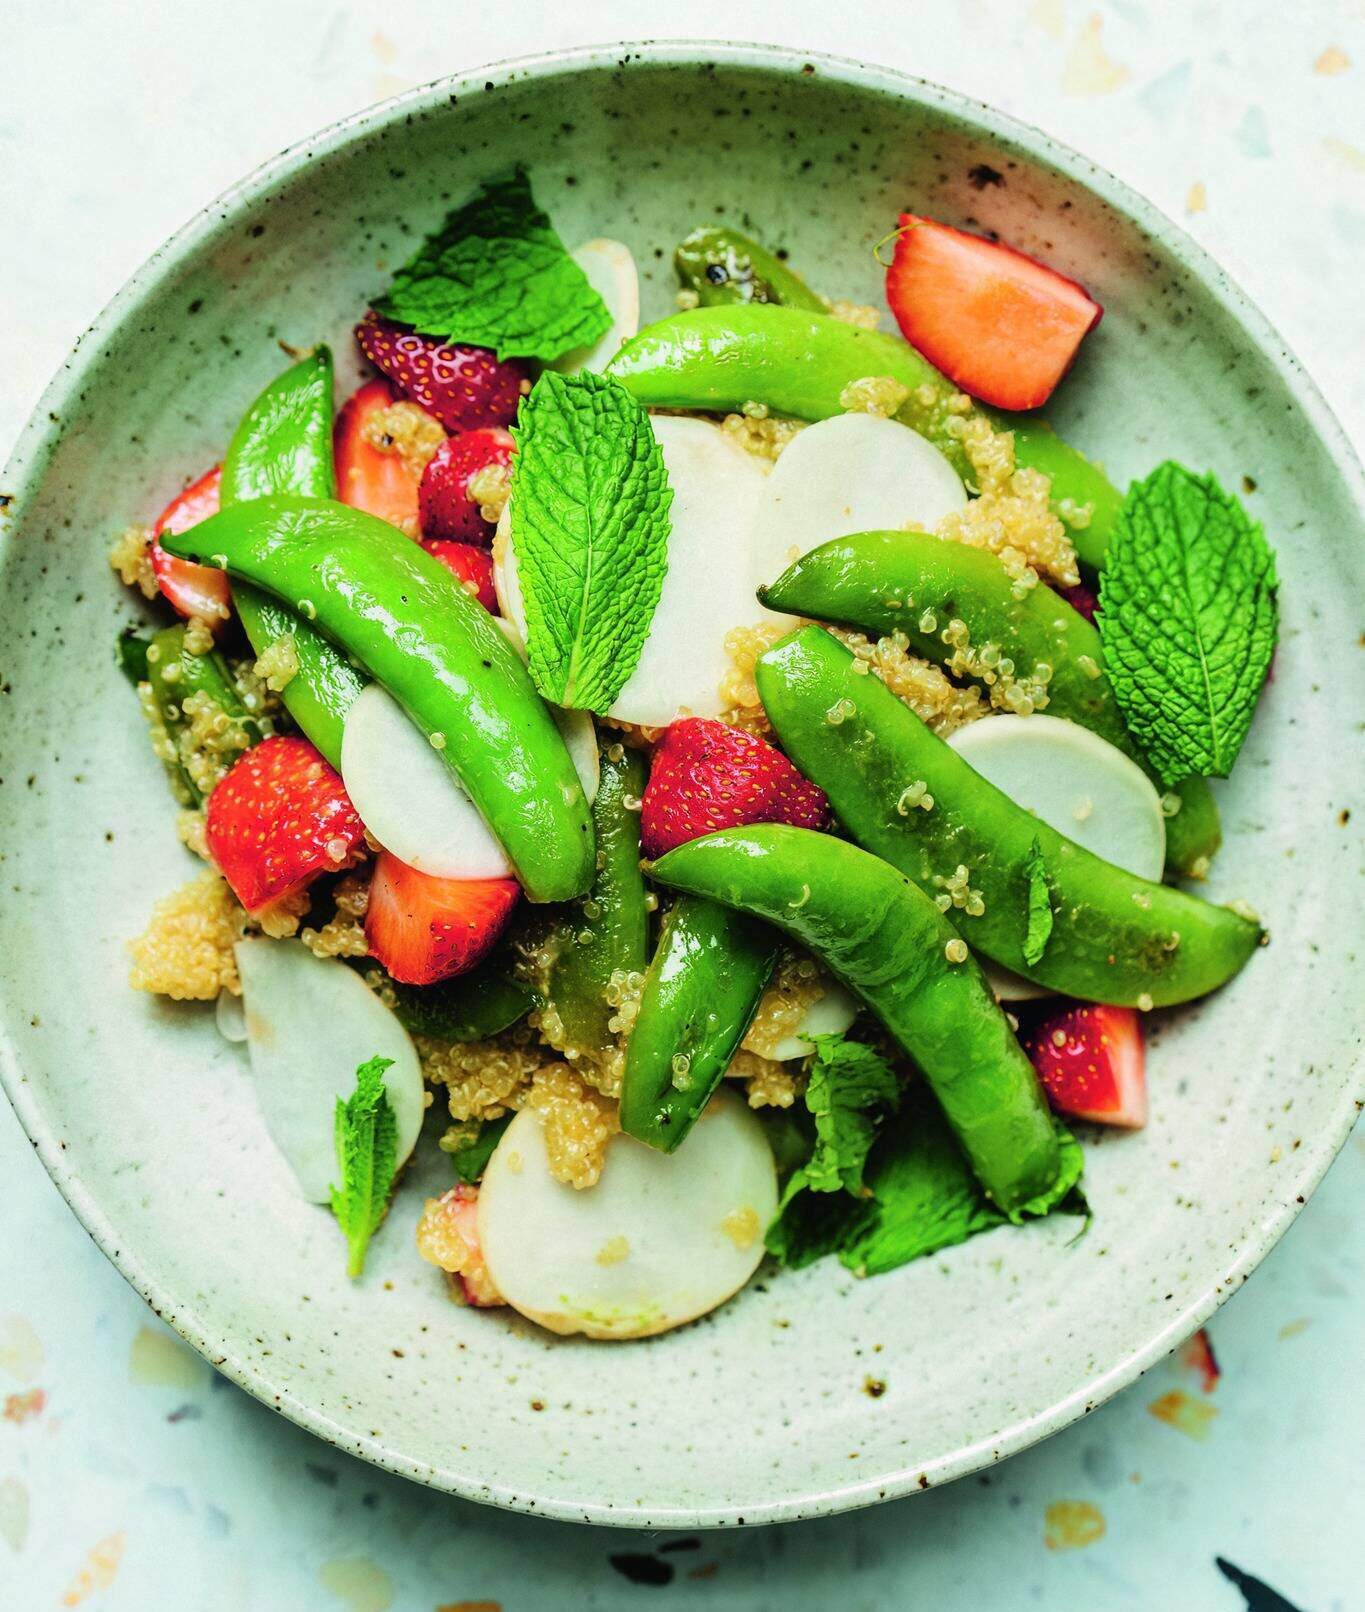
<point>590,501</point>
<point>367,1150</point>
<point>1039,905</point>
<point>471,1160</point>
<point>496,275</point>
<point>1188,621</point>
<point>850,1086</point>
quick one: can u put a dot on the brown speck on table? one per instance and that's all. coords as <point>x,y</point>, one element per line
<point>874,1387</point>
<point>537,1404</point>
<point>982,175</point>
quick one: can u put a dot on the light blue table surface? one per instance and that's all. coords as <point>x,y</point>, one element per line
<point>131,1477</point>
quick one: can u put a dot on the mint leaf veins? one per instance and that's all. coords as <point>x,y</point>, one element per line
<point>367,1151</point>
<point>590,502</point>
<point>1188,620</point>
<point>497,275</point>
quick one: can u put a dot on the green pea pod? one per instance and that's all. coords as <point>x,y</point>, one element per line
<point>799,363</point>
<point>174,676</point>
<point>610,932</point>
<point>885,582</point>
<point>1053,912</point>
<point>887,942</point>
<point>284,445</point>
<point>723,266</point>
<point>708,974</point>
<point>382,599</point>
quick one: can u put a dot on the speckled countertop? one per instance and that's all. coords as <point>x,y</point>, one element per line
<point>131,1477</point>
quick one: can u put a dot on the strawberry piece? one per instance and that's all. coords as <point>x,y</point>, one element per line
<point>194,590</point>
<point>443,499</point>
<point>473,567</point>
<point>1090,1062</point>
<point>278,819</point>
<point>1000,325</point>
<point>1082,598</point>
<point>381,482</point>
<point>464,387</point>
<point>425,929</point>
<point>706,776</point>
<point>1197,1353</point>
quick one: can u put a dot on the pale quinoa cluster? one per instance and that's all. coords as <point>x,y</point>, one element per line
<point>490,488</point>
<point>447,1236</point>
<point>881,395</point>
<point>767,1084</point>
<point>186,951</point>
<point>931,694</point>
<point>797,984</point>
<point>760,433</point>
<point>343,935</point>
<point>579,1122</point>
<point>278,663</point>
<point>407,430</point>
<point>861,314</point>
<point>131,558</point>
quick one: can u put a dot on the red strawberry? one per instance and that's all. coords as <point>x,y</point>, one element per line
<point>194,590</point>
<point>381,483</point>
<point>706,776</point>
<point>447,509</point>
<point>1082,598</point>
<point>473,567</point>
<point>425,929</point>
<point>278,819</point>
<point>1089,1060</point>
<point>1000,325</point>
<point>464,387</point>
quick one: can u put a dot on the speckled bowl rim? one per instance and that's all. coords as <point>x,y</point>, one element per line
<point>24,471</point>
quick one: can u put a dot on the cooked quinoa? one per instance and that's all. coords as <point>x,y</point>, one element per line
<point>874,394</point>
<point>767,1084</point>
<point>490,488</point>
<point>933,696</point>
<point>862,314</point>
<point>760,433</point>
<point>578,1121</point>
<point>131,558</point>
<point>442,1241</point>
<point>278,663</point>
<point>186,950</point>
<point>796,986</point>
<point>343,935</point>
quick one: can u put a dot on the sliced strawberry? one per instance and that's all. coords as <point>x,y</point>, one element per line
<point>1197,1353</point>
<point>278,819</point>
<point>1000,325</point>
<point>446,507</point>
<point>1090,1062</point>
<point>377,472</point>
<point>464,387</point>
<point>706,776</point>
<point>194,590</point>
<point>473,567</point>
<point>425,929</point>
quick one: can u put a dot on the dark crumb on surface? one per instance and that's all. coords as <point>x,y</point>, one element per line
<point>874,1387</point>
<point>690,1543</point>
<point>1344,816</point>
<point>982,175</point>
<point>641,1569</point>
<point>1248,484</point>
<point>537,1404</point>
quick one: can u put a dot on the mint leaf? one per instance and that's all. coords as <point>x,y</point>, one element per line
<point>497,275</point>
<point>850,1086</point>
<point>1039,929</point>
<point>367,1151</point>
<point>1188,621</point>
<point>590,501</point>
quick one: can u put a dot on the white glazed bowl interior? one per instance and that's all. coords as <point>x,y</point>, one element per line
<point>145,1117</point>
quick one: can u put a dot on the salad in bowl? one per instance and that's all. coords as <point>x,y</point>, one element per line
<point>734,786</point>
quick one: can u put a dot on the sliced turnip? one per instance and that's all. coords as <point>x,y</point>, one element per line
<point>1078,784</point>
<point>713,572</point>
<point>310,1023</point>
<point>661,1239</point>
<point>230,1017</point>
<point>613,276</point>
<point>409,799</point>
<point>852,473</point>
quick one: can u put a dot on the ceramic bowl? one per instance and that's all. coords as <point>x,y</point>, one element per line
<point>145,1118</point>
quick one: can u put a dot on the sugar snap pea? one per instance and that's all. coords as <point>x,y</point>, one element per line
<point>704,984</point>
<point>284,445</point>
<point>799,363</point>
<point>910,582</point>
<point>1053,912</point>
<point>384,600</point>
<point>174,676</point>
<point>608,933</point>
<point>723,266</point>
<point>891,946</point>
